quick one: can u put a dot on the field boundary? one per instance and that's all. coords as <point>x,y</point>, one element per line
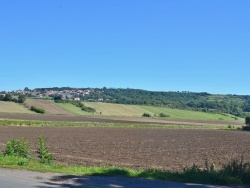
<point>65,118</point>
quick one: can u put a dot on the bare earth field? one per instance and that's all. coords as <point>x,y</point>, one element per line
<point>135,147</point>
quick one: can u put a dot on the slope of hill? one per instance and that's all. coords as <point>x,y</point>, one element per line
<point>11,107</point>
<point>71,108</point>
<point>108,109</point>
<point>49,107</point>
<point>237,105</point>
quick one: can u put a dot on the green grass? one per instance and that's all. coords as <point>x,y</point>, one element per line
<point>31,123</point>
<point>108,109</point>
<point>186,114</point>
<point>71,108</point>
<point>11,107</point>
<point>190,175</point>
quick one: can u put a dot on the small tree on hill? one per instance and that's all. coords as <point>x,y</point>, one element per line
<point>146,115</point>
<point>247,120</point>
<point>57,98</point>
<point>21,98</point>
<point>7,97</point>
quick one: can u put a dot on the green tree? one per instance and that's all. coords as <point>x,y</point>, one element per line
<point>26,89</point>
<point>21,98</point>
<point>7,97</point>
<point>247,119</point>
<point>1,97</point>
<point>57,98</point>
<point>146,115</point>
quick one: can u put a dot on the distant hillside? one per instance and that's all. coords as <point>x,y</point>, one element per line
<point>11,107</point>
<point>49,107</point>
<point>108,109</point>
<point>237,105</point>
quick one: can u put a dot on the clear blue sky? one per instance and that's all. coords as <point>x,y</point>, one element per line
<point>162,45</point>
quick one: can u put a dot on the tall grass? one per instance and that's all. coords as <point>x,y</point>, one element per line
<point>235,172</point>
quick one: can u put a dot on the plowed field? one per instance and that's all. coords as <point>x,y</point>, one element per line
<point>49,107</point>
<point>135,147</point>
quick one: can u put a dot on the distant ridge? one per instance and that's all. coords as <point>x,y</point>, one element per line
<point>238,105</point>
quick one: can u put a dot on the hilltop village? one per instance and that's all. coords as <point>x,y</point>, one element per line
<point>65,93</point>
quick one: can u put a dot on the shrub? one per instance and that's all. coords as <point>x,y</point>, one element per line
<point>238,169</point>
<point>234,172</point>
<point>79,105</point>
<point>7,97</point>
<point>44,155</point>
<point>57,98</point>
<point>88,109</point>
<point>18,148</point>
<point>247,122</point>
<point>230,127</point>
<point>246,128</point>
<point>21,98</point>
<point>37,110</point>
<point>146,115</point>
<point>163,115</point>
<point>14,100</point>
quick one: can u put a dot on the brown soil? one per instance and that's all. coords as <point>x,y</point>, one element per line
<point>135,147</point>
<point>49,107</point>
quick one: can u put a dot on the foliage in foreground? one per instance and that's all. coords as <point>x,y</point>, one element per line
<point>236,172</point>
<point>44,155</point>
<point>20,148</point>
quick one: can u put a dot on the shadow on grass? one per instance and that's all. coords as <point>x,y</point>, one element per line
<point>121,178</point>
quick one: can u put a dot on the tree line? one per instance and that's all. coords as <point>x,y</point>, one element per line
<point>8,97</point>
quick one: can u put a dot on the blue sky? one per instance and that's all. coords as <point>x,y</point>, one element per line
<point>163,45</point>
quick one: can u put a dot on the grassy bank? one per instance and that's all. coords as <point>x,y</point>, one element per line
<point>229,175</point>
<point>109,109</point>
<point>5,122</point>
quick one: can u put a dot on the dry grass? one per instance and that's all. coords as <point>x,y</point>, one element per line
<point>49,107</point>
<point>11,107</point>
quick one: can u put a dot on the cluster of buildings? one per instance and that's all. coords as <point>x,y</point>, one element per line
<point>71,93</point>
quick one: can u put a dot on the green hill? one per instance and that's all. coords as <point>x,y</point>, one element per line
<point>237,105</point>
<point>108,109</point>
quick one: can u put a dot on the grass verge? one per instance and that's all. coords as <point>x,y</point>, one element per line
<point>31,123</point>
<point>191,175</point>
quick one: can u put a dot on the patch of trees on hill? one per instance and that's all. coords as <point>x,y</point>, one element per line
<point>237,105</point>
<point>58,99</point>
<point>8,97</point>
